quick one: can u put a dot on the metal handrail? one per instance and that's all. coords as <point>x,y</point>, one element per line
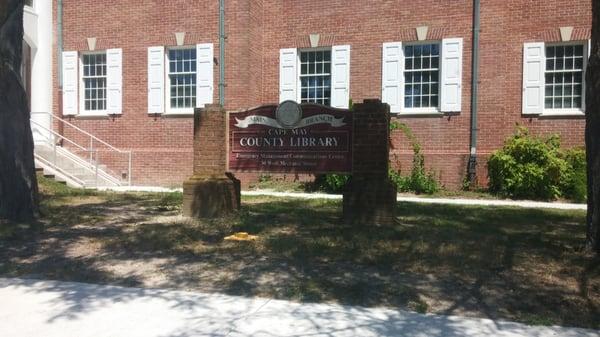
<point>93,160</point>
<point>81,130</point>
<point>56,134</point>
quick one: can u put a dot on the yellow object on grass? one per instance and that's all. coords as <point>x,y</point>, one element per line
<point>241,236</point>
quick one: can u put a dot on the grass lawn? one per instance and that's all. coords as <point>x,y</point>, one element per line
<point>501,263</point>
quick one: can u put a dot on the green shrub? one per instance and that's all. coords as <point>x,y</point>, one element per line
<point>535,168</point>
<point>575,184</point>
<point>331,183</point>
<point>419,181</point>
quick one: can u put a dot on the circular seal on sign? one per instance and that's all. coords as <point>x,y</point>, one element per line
<point>288,114</point>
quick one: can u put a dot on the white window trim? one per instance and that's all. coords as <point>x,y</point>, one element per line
<point>428,110</point>
<point>168,110</point>
<point>299,70</point>
<point>82,111</point>
<point>571,111</point>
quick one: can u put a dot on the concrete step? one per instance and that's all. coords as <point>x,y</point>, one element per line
<point>81,170</point>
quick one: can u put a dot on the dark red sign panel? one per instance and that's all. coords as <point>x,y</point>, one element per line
<point>306,138</point>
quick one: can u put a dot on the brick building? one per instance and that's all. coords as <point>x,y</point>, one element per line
<point>131,71</point>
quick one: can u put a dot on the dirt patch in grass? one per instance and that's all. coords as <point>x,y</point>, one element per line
<point>516,264</point>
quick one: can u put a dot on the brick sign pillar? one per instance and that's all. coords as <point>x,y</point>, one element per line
<point>210,192</point>
<point>370,196</point>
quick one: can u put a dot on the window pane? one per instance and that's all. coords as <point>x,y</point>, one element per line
<point>564,79</point>
<point>421,75</point>
<point>427,49</point>
<point>558,90</point>
<point>569,51</point>
<point>182,78</point>
<point>434,101</point>
<point>426,63</point>
<point>94,81</point>
<point>568,90</point>
<point>315,76</point>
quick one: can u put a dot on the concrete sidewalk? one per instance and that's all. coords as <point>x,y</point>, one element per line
<point>442,201</point>
<point>30,308</point>
<point>400,198</point>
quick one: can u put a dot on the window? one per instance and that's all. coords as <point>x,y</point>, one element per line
<point>29,3</point>
<point>180,78</point>
<point>315,76</point>
<point>421,76</point>
<point>181,90</point>
<point>94,82</point>
<point>564,77</point>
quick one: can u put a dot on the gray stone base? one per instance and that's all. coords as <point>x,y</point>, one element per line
<point>369,201</point>
<point>210,196</point>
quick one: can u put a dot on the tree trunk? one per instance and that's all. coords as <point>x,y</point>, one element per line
<point>592,133</point>
<point>18,183</point>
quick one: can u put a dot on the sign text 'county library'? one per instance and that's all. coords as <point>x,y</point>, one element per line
<point>291,138</point>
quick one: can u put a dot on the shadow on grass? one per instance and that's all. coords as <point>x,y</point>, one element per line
<point>518,264</point>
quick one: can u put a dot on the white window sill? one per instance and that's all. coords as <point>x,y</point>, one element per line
<point>419,112</point>
<point>562,113</point>
<point>95,114</point>
<point>179,113</point>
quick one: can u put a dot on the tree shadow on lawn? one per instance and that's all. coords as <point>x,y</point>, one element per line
<point>519,264</point>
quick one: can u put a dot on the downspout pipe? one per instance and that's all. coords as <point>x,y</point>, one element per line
<point>222,38</point>
<point>472,166</point>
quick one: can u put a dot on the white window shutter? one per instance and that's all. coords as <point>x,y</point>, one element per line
<point>451,75</point>
<point>392,76</point>
<point>340,76</point>
<point>114,81</point>
<point>288,74</point>
<point>204,74</point>
<point>70,64</point>
<point>533,78</point>
<point>156,80</point>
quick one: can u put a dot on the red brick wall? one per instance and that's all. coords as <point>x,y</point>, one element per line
<point>162,146</point>
<point>257,29</point>
<point>505,27</point>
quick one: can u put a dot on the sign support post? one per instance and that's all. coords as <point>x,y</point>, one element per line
<point>370,196</point>
<point>211,192</point>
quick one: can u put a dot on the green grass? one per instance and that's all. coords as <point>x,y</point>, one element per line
<point>519,264</point>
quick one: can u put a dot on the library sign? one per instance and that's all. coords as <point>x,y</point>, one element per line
<point>290,138</point>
